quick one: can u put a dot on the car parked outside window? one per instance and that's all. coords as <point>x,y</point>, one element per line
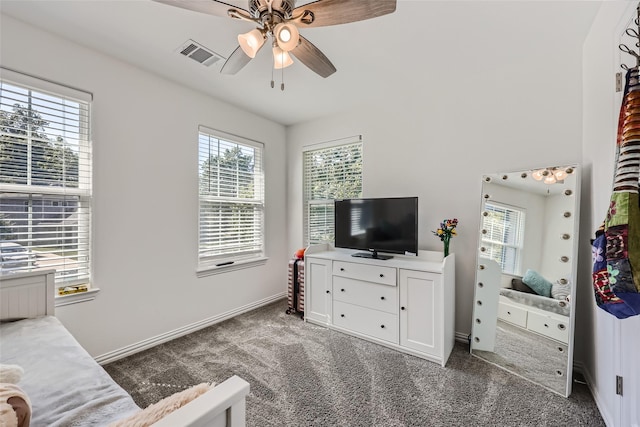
<point>14,256</point>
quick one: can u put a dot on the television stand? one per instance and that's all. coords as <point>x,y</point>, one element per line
<point>406,303</point>
<point>372,255</point>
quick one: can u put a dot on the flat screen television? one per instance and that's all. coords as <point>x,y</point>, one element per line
<point>377,225</point>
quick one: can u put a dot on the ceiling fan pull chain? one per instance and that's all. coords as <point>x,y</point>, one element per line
<point>282,79</point>
<point>272,82</point>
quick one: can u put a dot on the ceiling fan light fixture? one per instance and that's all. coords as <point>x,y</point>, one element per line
<point>287,36</point>
<point>560,174</point>
<point>281,59</point>
<point>251,42</point>
<point>538,175</point>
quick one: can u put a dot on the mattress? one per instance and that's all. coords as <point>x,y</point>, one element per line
<point>65,385</point>
<point>534,300</point>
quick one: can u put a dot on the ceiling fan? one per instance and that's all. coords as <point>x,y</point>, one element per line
<point>280,21</point>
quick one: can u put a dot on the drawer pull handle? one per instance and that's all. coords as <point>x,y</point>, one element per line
<point>341,269</point>
<point>382,326</point>
<point>509,313</point>
<point>561,326</point>
<point>342,290</point>
<point>328,291</point>
<point>382,298</point>
<point>402,308</point>
<point>546,326</point>
<point>381,275</point>
<point>342,315</point>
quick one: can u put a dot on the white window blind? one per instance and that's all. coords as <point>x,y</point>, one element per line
<point>231,194</point>
<point>329,173</point>
<point>45,178</point>
<point>502,236</point>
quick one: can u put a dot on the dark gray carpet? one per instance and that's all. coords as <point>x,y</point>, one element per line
<point>305,375</point>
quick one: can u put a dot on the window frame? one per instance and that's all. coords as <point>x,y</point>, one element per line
<point>48,92</point>
<point>230,261</point>
<point>518,247</point>
<point>307,203</point>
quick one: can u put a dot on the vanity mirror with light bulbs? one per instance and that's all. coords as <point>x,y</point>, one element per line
<point>524,296</point>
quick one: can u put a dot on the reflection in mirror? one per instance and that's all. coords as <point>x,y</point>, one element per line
<point>526,273</point>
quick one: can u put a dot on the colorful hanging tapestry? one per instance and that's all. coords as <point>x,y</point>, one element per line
<point>616,248</point>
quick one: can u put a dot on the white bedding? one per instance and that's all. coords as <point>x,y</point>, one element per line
<point>65,385</point>
<point>548,304</point>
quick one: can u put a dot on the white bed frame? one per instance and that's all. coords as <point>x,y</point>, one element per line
<point>32,294</point>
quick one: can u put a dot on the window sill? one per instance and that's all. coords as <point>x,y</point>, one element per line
<point>211,269</point>
<point>90,295</point>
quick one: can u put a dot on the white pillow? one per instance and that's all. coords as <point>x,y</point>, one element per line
<point>561,292</point>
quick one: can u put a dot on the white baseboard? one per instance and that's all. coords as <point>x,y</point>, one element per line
<point>578,366</point>
<point>120,353</point>
<point>462,337</point>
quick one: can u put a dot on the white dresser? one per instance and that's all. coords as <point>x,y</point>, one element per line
<point>406,303</point>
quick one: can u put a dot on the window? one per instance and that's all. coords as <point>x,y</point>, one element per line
<point>231,194</point>
<point>330,172</point>
<point>502,236</point>
<point>45,178</point>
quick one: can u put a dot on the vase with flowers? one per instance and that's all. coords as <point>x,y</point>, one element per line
<point>446,231</point>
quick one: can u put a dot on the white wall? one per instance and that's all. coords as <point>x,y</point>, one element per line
<point>145,195</point>
<point>487,98</point>
<point>604,338</point>
<point>554,247</point>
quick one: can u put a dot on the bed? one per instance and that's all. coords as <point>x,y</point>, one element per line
<point>552,305</point>
<point>543,315</point>
<point>64,383</point>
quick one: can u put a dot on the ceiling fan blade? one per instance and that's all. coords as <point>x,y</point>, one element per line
<point>334,12</point>
<point>313,58</point>
<point>236,61</point>
<point>210,7</point>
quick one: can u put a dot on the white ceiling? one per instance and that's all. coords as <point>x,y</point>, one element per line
<point>381,56</point>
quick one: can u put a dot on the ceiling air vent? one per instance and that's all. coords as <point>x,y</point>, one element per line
<point>199,53</point>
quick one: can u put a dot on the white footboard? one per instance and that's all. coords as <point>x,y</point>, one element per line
<point>222,406</point>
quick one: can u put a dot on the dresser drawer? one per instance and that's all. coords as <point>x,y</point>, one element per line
<point>368,273</point>
<point>512,314</point>
<point>366,294</point>
<point>366,321</point>
<point>549,326</point>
